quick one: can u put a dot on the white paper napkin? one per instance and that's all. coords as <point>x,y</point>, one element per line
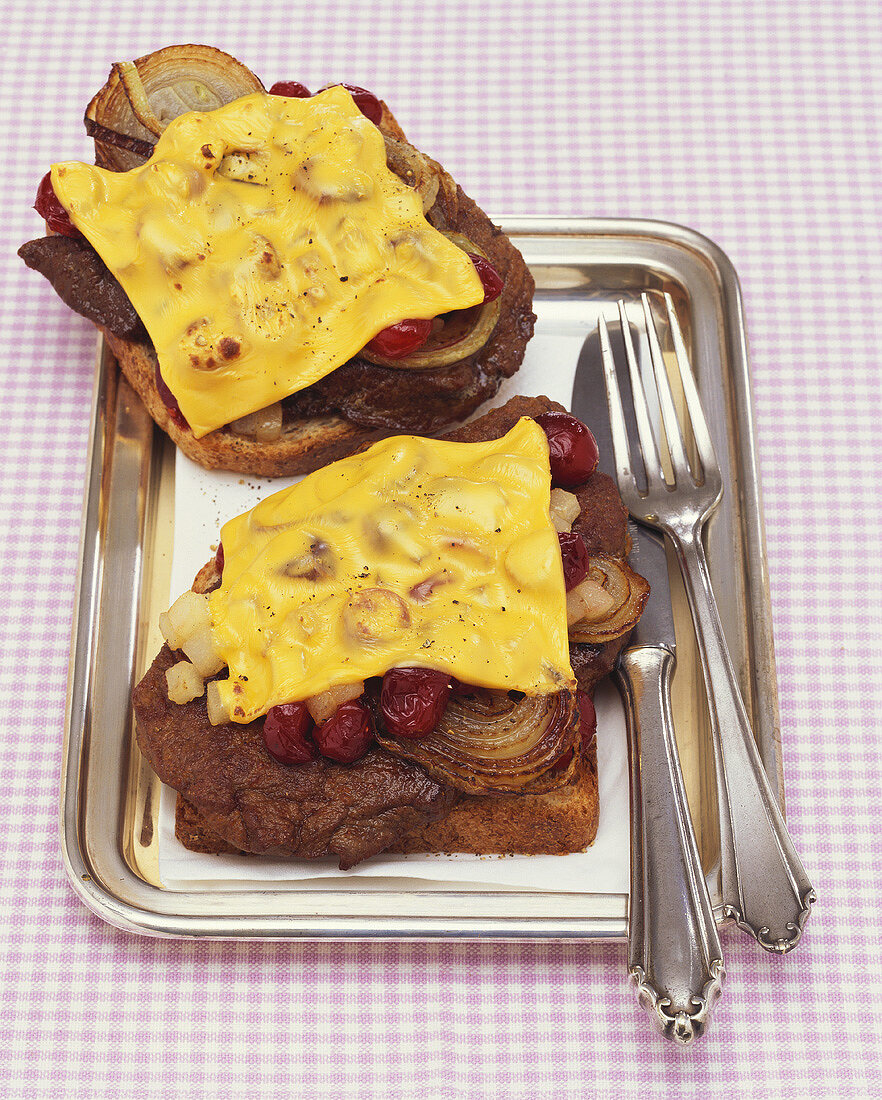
<point>204,500</point>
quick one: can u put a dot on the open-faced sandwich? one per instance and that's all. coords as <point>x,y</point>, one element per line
<point>398,653</point>
<point>282,276</point>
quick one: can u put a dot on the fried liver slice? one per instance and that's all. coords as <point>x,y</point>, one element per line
<point>258,805</point>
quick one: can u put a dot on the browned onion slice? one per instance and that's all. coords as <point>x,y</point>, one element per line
<point>624,593</point>
<point>414,169</point>
<point>141,97</point>
<point>438,352</point>
<point>489,743</point>
<point>136,94</point>
<point>141,149</point>
<point>441,352</point>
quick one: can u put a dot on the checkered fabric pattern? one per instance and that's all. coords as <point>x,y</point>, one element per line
<point>756,123</point>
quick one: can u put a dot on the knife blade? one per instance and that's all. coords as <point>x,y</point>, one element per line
<point>674,952</point>
<point>648,557</point>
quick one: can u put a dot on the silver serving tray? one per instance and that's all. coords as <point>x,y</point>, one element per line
<point>109,797</point>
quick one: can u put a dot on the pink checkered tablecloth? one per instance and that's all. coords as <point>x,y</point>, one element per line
<point>755,123</point>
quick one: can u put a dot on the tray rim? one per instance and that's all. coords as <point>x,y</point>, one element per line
<point>99,897</point>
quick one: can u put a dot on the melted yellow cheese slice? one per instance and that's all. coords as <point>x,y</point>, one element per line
<point>263,245</point>
<point>416,552</point>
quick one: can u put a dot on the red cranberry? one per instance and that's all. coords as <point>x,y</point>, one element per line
<point>397,341</point>
<point>490,278</point>
<point>291,88</point>
<point>347,735</point>
<point>412,700</point>
<point>574,556</point>
<point>219,559</point>
<point>49,207</point>
<point>170,401</point>
<point>571,447</point>
<point>587,718</point>
<point>286,734</point>
<point>365,101</point>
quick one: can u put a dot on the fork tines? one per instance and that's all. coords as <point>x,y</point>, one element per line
<point>683,472</point>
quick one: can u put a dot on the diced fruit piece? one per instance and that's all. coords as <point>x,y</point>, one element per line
<point>347,735</point>
<point>489,276</point>
<point>200,648</point>
<point>184,682</point>
<point>188,614</point>
<point>589,602</point>
<point>49,207</point>
<point>218,714</point>
<point>412,700</point>
<point>397,341</point>
<point>323,705</point>
<point>286,730</point>
<point>564,509</point>
<point>167,630</point>
<point>574,556</point>
<point>571,446</point>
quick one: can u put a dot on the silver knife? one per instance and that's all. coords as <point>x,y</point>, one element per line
<point>674,952</point>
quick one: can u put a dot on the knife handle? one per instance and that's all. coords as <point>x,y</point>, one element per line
<point>674,952</point>
<point>765,887</point>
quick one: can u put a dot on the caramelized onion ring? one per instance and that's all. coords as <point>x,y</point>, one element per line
<point>436,354</point>
<point>488,743</point>
<point>627,591</point>
<point>136,94</point>
<point>141,97</point>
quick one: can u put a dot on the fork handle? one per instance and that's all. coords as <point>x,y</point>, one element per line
<point>764,885</point>
<point>674,952</point>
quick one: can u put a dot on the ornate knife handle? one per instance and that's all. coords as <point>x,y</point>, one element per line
<point>674,952</point>
<point>764,884</point>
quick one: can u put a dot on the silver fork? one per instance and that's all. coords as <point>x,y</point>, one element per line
<point>764,886</point>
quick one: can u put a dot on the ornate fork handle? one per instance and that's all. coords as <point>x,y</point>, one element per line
<point>764,885</point>
<point>674,952</point>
